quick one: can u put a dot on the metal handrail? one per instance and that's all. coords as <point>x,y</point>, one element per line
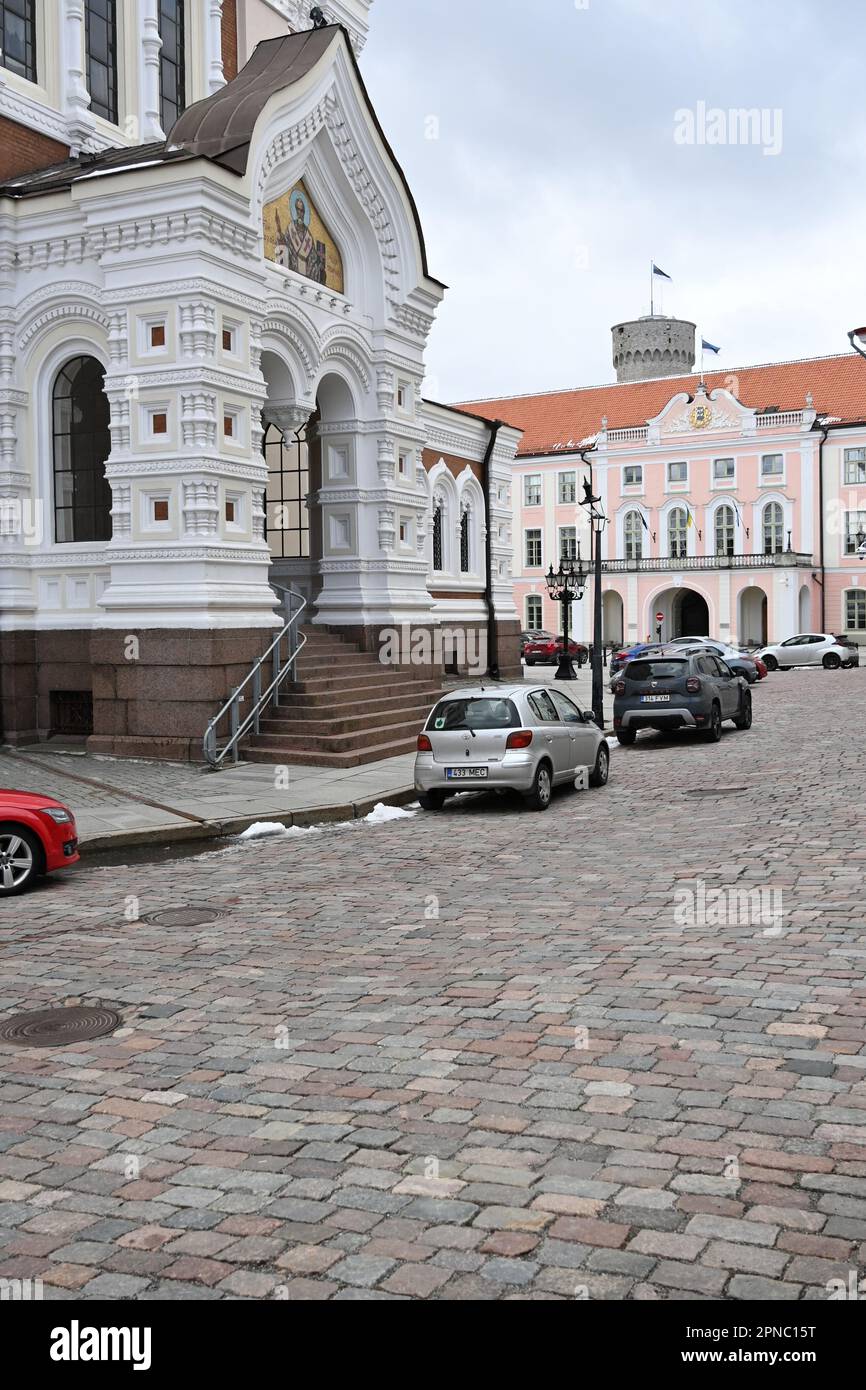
<point>217,755</point>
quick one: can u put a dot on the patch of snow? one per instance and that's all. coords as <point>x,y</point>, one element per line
<point>381,814</point>
<point>263,828</point>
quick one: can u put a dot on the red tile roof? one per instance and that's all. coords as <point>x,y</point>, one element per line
<point>559,419</point>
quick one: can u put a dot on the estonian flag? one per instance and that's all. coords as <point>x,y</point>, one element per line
<point>662,273</point>
<point>644,522</point>
<point>709,347</point>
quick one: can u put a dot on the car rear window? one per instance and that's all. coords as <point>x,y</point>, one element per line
<point>479,713</point>
<point>656,670</point>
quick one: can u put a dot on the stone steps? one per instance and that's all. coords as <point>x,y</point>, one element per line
<point>345,709</point>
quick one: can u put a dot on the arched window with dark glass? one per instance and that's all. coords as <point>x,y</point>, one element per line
<point>18,37</point>
<point>774,529</point>
<point>678,534</point>
<point>81,445</point>
<point>464,543</point>
<point>437,538</point>
<point>172,69</point>
<point>100,38</point>
<point>725,531</point>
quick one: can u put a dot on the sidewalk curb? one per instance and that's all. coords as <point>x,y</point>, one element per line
<point>161,836</point>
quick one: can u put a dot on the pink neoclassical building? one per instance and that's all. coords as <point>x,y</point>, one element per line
<point>736,504</point>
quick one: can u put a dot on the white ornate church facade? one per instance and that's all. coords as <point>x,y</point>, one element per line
<point>214,310</point>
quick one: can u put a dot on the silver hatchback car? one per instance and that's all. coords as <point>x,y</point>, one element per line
<point>508,738</point>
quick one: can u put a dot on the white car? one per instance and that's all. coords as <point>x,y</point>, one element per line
<point>811,649</point>
<point>508,738</point>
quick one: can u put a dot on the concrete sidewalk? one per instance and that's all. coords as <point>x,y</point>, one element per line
<point>121,802</point>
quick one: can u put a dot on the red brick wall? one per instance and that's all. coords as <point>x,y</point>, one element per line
<point>23,149</point>
<point>230,39</point>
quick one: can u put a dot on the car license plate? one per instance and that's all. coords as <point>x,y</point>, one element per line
<point>465,774</point>
<point>654,699</point>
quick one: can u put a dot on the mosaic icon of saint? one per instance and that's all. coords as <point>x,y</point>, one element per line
<point>296,247</point>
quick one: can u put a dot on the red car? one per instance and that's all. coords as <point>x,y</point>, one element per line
<point>37,835</point>
<point>762,669</point>
<point>546,651</point>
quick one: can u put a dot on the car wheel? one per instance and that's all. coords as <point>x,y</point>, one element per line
<point>744,718</point>
<point>626,737</point>
<point>542,789</point>
<point>714,733</point>
<point>831,662</point>
<point>770,662</point>
<point>21,859</point>
<point>600,773</point>
<point>432,801</point>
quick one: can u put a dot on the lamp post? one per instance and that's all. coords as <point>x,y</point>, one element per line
<point>597,521</point>
<point>858,346</point>
<point>564,586</point>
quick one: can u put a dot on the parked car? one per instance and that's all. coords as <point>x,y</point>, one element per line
<point>811,649</point>
<point>641,652</point>
<point>546,651</point>
<point>535,635</point>
<point>37,836</point>
<point>680,689</point>
<point>622,657</point>
<point>508,738</point>
<point>739,662</point>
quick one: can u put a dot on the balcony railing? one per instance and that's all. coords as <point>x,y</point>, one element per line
<point>779,417</point>
<point>668,564</point>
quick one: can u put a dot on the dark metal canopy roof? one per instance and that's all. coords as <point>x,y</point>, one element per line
<point>221,126</point>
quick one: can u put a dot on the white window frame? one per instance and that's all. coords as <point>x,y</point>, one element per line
<point>847,595</point>
<point>560,531</point>
<point>728,482</point>
<point>533,531</point>
<point>560,484</point>
<point>632,487</point>
<point>529,483</point>
<point>772,479</point>
<point>846,463</point>
<point>531,600</point>
<point>676,484</point>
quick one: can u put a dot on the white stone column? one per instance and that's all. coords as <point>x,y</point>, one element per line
<point>213,38</point>
<point>76,98</point>
<point>149,50</point>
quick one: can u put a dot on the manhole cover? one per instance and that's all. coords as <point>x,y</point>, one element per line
<point>189,916</point>
<point>59,1027</point>
<point>718,791</point>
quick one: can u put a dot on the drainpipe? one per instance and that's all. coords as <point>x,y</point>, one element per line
<point>492,643</point>
<point>824,433</point>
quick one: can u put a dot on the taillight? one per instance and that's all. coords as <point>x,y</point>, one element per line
<point>521,739</point>
<point>424,744</point>
<point>693,685</point>
<point>619,688</point>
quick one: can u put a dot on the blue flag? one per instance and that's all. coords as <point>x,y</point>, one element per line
<point>709,347</point>
<point>663,273</point>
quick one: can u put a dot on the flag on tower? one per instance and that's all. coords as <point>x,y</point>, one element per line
<point>662,273</point>
<point>709,347</point>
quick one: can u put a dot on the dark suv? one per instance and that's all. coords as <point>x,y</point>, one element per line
<point>679,690</point>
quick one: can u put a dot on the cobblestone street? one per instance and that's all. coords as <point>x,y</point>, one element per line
<point>480,1055</point>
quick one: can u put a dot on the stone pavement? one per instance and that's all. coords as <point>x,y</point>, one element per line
<point>480,1055</point>
<point>122,802</point>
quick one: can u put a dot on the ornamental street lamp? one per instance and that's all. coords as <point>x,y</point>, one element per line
<point>861,345</point>
<point>564,587</point>
<point>597,521</point>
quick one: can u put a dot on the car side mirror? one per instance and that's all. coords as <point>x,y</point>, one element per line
<point>589,716</point>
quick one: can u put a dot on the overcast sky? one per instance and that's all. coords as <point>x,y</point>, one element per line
<point>556,176</point>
